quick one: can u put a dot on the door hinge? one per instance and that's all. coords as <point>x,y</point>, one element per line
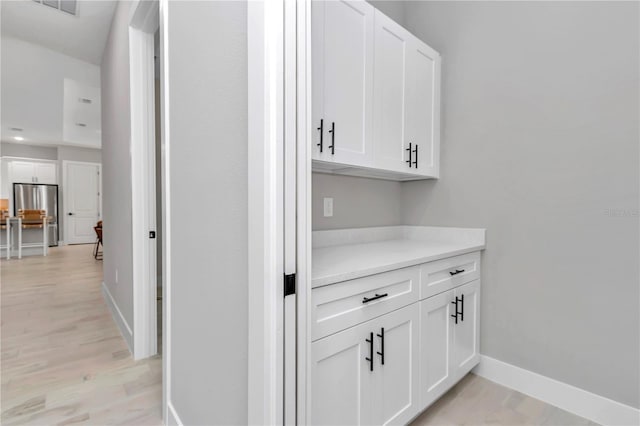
<point>289,284</point>
<point>152,234</point>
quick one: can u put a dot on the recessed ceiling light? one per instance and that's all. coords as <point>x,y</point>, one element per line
<point>18,138</point>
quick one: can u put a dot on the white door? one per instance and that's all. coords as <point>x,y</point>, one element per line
<point>342,74</point>
<point>390,94</point>
<point>46,173</point>
<point>342,379</point>
<point>422,128</point>
<point>81,201</point>
<point>397,397</point>
<point>21,172</point>
<point>465,334</point>
<point>436,342</point>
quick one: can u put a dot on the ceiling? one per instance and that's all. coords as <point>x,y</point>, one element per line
<point>82,36</point>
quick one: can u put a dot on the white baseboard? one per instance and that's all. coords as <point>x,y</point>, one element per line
<point>569,398</point>
<point>120,320</point>
<point>174,419</point>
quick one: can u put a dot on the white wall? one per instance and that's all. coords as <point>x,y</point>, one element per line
<point>540,146</point>
<point>207,152</point>
<point>33,86</point>
<point>116,169</point>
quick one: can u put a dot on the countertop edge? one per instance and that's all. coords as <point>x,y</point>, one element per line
<point>332,279</point>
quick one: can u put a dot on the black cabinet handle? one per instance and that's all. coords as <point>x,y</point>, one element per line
<point>376,297</point>
<point>370,359</point>
<point>409,150</point>
<point>381,353</point>
<point>415,161</point>
<point>457,271</point>
<point>459,312</point>
<point>456,314</point>
<point>321,128</point>
<point>333,138</point>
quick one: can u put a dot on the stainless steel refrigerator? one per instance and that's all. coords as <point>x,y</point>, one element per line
<point>38,196</point>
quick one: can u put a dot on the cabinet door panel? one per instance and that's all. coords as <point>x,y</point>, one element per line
<point>398,381</point>
<point>343,79</point>
<point>46,173</point>
<point>466,331</point>
<point>390,72</point>
<point>436,343</point>
<point>342,383</point>
<point>21,172</point>
<point>423,106</point>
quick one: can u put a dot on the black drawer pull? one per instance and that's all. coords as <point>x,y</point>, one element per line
<point>462,310</point>
<point>455,302</point>
<point>415,161</point>
<point>458,271</point>
<point>321,128</point>
<point>370,359</point>
<point>458,312</point>
<point>376,297</point>
<point>409,160</point>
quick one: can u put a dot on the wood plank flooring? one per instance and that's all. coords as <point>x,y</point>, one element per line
<point>63,360</point>
<point>477,401</point>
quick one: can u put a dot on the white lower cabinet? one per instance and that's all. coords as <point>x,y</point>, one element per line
<point>367,374</point>
<point>449,339</point>
<point>389,368</point>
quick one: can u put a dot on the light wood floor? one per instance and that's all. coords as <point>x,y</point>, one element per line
<point>477,401</point>
<point>63,360</point>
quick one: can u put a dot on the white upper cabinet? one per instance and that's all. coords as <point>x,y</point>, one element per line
<point>46,173</point>
<point>422,125</point>
<point>32,172</point>
<point>342,74</point>
<point>392,44</point>
<point>376,95</point>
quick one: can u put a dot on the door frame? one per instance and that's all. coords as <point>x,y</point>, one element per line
<point>144,20</point>
<point>66,190</point>
<point>279,122</point>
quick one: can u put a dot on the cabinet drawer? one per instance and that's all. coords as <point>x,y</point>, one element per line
<point>445,274</point>
<point>339,306</point>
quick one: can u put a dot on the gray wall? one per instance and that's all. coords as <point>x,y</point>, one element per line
<point>208,211</point>
<point>357,202</point>
<point>116,165</point>
<point>394,9</point>
<point>28,151</point>
<point>540,146</point>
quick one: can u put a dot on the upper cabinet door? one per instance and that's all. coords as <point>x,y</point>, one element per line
<point>422,126</point>
<point>46,173</point>
<point>342,74</point>
<point>21,172</point>
<point>392,44</point>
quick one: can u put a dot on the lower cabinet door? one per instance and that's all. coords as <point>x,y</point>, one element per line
<point>342,383</point>
<point>466,332</point>
<point>436,342</point>
<point>397,399</point>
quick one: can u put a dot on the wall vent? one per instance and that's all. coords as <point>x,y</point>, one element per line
<point>16,129</point>
<point>84,100</point>
<point>67,6</point>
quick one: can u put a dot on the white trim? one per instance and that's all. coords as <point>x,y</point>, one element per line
<point>120,320</point>
<point>173,419</point>
<point>33,159</point>
<point>141,62</point>
<point>304,129</point>
<point>265,218</point>
<point>65,192</point>
<point>567,397</point>
<point>167,408</point>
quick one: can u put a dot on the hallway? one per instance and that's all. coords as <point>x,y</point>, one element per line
<point>63,358</point>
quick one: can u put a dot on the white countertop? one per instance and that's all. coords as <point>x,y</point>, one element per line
<point>347,254</point>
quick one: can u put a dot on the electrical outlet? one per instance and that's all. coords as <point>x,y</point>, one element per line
<point>328,207</point>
